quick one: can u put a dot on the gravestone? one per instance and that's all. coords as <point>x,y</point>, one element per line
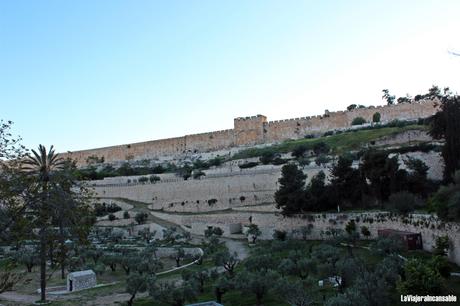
<point>80,280</point>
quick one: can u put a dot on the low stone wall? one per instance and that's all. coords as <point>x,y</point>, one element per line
<point>429,226</point>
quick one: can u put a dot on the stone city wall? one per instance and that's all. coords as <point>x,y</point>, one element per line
<point>221,190</point>
<point>252,131</point>
<point>208,194</point>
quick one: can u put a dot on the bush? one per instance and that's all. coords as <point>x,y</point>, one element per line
<point>143,179</point>
<point>358,121</point>
<point>403,202</point>
<point>328,133</point>
<point>198,174</point>
<point>126,215</point>
<point>299,151</point>
<point>321,159</point>
<point>154,178</point>
<point>279,235</point>
<point>376,117</point>
<point>248,165</point>
<point>141,217</point>
<point>365,231</point>
<point>267,157</point>
<point>104,209</point>
<point>216,161</point>
<point>321,148</point>
<point>112,217</point>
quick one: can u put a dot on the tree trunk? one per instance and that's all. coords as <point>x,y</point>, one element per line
<point>63,251</point>
<point>218,294</point>
<point>43,264</point>
<point>131,300</point>
<point>259,299</point>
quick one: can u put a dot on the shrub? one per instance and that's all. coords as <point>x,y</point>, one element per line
<point>328,133</point>
<point>279,235</point>
<point>299,151</point>
<point>154,178</point>
<point>126,215</point>
<point>141,217</point>
<point>365,231</point>
<point>212,202</point>
<point>248,165</point>
<point>321,148</point>
<point>104,209</point>
<point>112,217</point>
<point>376,117</point>
<point>321,159</point>
<point>216,161</point>
<point>267,157</point>
<point>358,121</point>
<point>143,179</point>
<point>158,169</point>
<point>403,202</point>
<point>198,174</point>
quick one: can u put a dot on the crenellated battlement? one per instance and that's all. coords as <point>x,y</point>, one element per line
<point>254,130</point>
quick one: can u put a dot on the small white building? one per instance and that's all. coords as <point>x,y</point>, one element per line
<point>80,280</point>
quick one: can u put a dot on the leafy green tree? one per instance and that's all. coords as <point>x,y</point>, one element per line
<point>141,217</point>
<point>388,97</point>
<point>258,283</point>
<point>179,255</point>
<point>404,202</point>
<point>318,195</point>
<point>227,260</point>
<point>358,121</point>
<point>446,201</point>
<point>137,283</point>
<point>42,166</point>
<point>388,245</point>
<point>222,285</point>
<point>442,245</point>
<point>380,170</point>
<point>445,125</point>
<point>322,159</point>
<point>290,196</point>
<point>420,278</point>
<point>170,294</point>
<point>267,157</point>
<point>213,231</point>
<point>294,293</point>
<point>26,257</point>
<point>347,183</point>
<point>199,277</point>
<point>9,278</point>
<point>253,232</point>
<point>171,235</point>
<point>299,151</point>
<point>297,264</point>
<point>365,231</point>
<point>321,148</point>
<point>260,262</point>
<point>376,117</point>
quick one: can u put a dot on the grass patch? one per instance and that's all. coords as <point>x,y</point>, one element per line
<point>339,143</point>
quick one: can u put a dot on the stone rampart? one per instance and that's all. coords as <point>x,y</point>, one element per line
<point>252,131</point>
<point>323,225</point>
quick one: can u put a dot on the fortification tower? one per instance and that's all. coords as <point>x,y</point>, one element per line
<point>249,130</point>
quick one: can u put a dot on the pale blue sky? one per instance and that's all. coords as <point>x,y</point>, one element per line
<point>84,74</point>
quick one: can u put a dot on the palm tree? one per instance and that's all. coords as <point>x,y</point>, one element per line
<point>42,165</point>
